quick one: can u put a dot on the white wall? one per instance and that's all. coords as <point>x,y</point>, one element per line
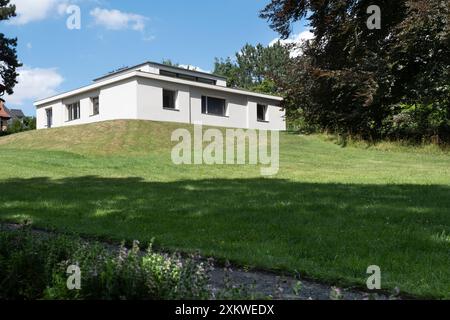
<point>275,116</point>
<point>150,101</point>
<point>117,101</point>
<point>241,112</point>
<point>236,109</point>
<point>142,98</point>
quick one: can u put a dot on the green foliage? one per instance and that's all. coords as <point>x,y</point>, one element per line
<point>8,55</point>
<point>255,67</point>
<point>416,121</point>
<point>351,80</point>
<point>26,124</point>
<point>33,266</point>
<point>15,126</point>
<point>29,123</point>
<point>168,62</point>
<point>26,265</point>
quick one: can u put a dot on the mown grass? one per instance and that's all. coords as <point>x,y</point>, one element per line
<point>328,214</point>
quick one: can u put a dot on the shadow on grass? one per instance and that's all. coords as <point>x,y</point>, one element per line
<point>328,231</point>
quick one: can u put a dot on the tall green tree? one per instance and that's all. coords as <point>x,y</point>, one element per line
<point>350,78</point>
<point>255,67</point>
<point>8,55</point>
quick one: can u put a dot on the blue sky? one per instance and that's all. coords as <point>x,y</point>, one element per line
<point>123,33</point>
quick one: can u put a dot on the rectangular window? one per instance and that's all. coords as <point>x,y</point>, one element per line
<point>49,113</point>
<point>73,111</point>
<point>169,98</point>
<point>187,77</point>
<point>207,81</point>
<point>261,112</point>
<point>167,73</point>
<point>95,106</point>
<point>214,106</point>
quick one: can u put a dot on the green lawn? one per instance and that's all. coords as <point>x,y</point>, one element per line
<point>329,213</point>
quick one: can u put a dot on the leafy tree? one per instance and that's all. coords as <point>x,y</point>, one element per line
<point>8,55</point>
<point>227,68</point>
<point>255,67</point>
<point>30,123</point>
<point>169,63</point>
<point>351,79</point>
<point>15,127</point>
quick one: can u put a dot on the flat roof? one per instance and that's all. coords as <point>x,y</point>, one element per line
<point>148,75</point>
<point>159,65</point>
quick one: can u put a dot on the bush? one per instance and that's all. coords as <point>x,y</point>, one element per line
<point>418,123</point>
<point>34,267</point>
<point>16,126</point>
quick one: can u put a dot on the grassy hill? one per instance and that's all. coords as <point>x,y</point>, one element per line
<point>328,214</point>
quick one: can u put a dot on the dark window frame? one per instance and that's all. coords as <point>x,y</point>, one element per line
<point>49,116</point>
<point>207,81</point>
<point>187,77</point>
<point>265,108</point>
<point>95,105</point>
<point>168,74</point>
<point>172,103</point>
<point>206,107</point>
<point>73,111</point>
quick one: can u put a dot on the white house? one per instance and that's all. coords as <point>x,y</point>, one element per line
<point>153,91</point>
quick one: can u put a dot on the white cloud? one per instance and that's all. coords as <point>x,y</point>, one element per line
<point>297,40</point>
<point>118,20</point>
<point>34,84</point>
<point>32,10</point>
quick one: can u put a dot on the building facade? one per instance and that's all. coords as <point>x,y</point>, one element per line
<point>153,91</point>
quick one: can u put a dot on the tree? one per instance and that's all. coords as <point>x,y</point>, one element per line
<point>227,68</point>
<point>30,123</point>
<point>351,78</point>
<point>255,67</point>
<point>169,63</point>
<point>8,56</point>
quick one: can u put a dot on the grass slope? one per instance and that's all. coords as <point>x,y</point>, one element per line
<point>329,213</point>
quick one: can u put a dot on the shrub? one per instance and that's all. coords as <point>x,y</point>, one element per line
<point>418,123</point>
<point>34,267</point>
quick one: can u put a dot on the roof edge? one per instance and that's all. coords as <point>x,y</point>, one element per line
<point>148,75</point>
<point>161,65</point>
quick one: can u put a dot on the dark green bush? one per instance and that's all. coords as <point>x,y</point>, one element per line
<point>33,266</point>
<point>418,123</point>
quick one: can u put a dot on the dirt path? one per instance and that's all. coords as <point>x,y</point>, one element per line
<point>284,287</point>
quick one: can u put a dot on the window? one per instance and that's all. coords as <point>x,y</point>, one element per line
<point>49,113</point>
<point>187,77</point>
<point>213,106</point>
<point>167,73</point>
<point>207,81</point>
<point>261,112</point>
<point>169,98</point>
<point>95,106</point>
<point>73,111</point>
